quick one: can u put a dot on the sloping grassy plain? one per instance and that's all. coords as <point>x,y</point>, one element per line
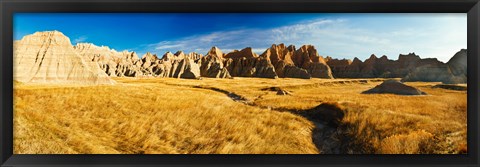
<point>166,115</point>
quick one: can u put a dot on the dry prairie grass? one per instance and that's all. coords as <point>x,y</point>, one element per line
<point>171,116</point>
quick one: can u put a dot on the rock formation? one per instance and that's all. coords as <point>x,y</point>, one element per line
<point>458,65</point>
<point>49,57</point>
<point>375,67</point>
<point>114,63</point>
<point>302,63</point>
<point>127,64</point>
<point>151,65</point>
<point>280,57</point>
<point>338,66</point>
<point>277,61</point>
<point>176,65</point>
<point>212,64</point>
<point>184,66</point>
<point>452,72</point>
<point>394,87</point>
<point>246,63</point>
<point>307,58</point>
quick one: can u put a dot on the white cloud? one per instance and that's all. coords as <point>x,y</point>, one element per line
<point>167,46</point>
<point>80,39</point>
<point>338,38</point>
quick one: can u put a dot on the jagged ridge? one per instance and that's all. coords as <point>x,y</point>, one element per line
<point>278,61</point>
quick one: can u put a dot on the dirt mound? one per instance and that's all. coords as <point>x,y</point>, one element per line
<point>394,87</point>
<point>451,87</point>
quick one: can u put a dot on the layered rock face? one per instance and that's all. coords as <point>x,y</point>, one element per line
<point>151,65</point>
<point>183,66</point>
<point>176,65</point>
<point>302,63</point>
<point>307,58</point>
<point>338,66</point>
<point>212,64</point>
<point>127,64</point>
<point>375,67</point>
<point>117,64</point>
<point>458,64</point>
<point>49,57</point>
<point>246,63</point>
<point>452,72</point>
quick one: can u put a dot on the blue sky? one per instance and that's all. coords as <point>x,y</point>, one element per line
<point>336,35</point>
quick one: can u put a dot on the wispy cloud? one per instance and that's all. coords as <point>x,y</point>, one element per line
<point>332,37</point>
<point>259,39</point>
<point>80,39</point>
<point>167,45</point>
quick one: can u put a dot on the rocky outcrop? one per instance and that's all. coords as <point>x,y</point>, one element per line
<point>280,56</point>
<point>194,56</point>
<point>338,66</point>
<point>127,64</point>
<point>306,57</point>
<point>212,64</point>
<point>277,61</point>
<point>184,66</point>
<point>458,65</point>
<point>302,63</point>
<point>151,65</point>
<point>431,73</point>
<point>116,64</point>
<point>49,57</point>
<point>452,72</point>
<point>246,63</point>
<point>291,71</point>
<point>394,87</point>
<point>375,67</point>
<point>176,65</point>
<point>244,53</point>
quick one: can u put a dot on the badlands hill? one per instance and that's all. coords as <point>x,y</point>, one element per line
<point>88,63</point>
<point>454,71</point>
<point>49,57</point>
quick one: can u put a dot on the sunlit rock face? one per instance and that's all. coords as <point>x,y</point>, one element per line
<point>114,63</point>
<point>246,63</point>
<point>49,57</point>
<point>212,64</point>
<point>302,63</point>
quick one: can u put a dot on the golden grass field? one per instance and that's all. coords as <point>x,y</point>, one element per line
<point>178,116</point>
